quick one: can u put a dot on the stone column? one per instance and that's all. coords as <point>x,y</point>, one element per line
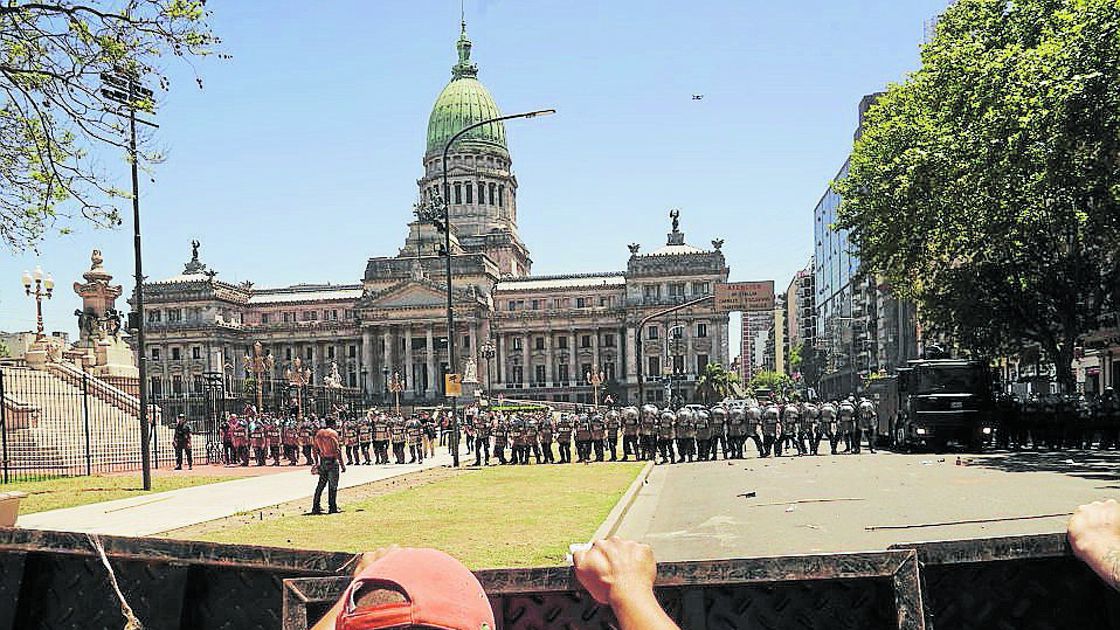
<point>366,362</point>
<point>386,357</point>
<point>596,365</point>
<point>410,386</point>
<point>550,366</point>
<point>573,366</point>
<point>499,360</point>
<point>527,368</point>
<point>430,364</point>
<point>319,371</point>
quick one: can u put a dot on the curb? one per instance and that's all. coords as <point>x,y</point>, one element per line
<point>614,519</point>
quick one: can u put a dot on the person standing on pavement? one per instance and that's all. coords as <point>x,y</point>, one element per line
<point>614,423</point>
<point>564,428</point>
<point>481,439</point>
<point>546,431</point>
<point>867,424</point>
<point>182,442</point>
<point>847,413</point>
<point>598,435</point>
<point>414,432</point>
<point>328,464</point>
<point>630,426</point>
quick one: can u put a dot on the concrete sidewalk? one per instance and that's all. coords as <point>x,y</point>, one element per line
<point>164,511</point>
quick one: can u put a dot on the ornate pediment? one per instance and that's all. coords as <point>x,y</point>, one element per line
<point>416,293</point>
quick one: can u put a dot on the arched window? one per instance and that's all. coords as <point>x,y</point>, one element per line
<point>493,192</point>
<point>470,192</point>
<point>458,192</point>
<point>481,193</point>
<point>501,196</point>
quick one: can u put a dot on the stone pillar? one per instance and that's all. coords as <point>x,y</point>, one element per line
<point>550,366</point>
<point>499,360</point>
<point>319,371</point>
<point>596,364</point>
<point>367,360</point>
<point>386,357</point>
<point>410,386</point>
<point>430,364</point>
<point>628,338</point>
<point>573,366</point>
<point>527,368</point>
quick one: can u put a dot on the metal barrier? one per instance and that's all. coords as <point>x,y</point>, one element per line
<point>57,580</point>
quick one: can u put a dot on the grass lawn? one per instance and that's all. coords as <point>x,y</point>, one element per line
<point>53,494</point>
<point>502,516</point>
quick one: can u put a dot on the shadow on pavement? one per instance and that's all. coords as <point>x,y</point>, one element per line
<point>1097,465</point>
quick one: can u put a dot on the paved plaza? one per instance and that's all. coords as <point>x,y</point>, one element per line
<point>827,504</point>
<point>165,511</point>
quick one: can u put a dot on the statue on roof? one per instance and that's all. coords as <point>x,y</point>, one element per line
<point>634,247</point>
<point>195,266</point>
<point>675,215</point>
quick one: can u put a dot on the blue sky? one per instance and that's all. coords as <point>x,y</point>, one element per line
<point>298,159</point>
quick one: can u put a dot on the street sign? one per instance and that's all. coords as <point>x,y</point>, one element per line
<point>453,385</point>
<point>745,296</point>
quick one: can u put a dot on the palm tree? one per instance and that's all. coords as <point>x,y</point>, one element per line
<point>715,384</point>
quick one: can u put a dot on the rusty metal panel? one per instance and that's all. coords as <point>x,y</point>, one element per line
<point>11,578</point>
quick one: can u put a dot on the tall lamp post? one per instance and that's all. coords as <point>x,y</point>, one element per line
<point>44,288</point>
<point>123,87</point>
<point>396,385</point>
<point>446,227</point>
<point>298,377</point>
<point>595,378</point>
<point>488,352</point>
<point>258,364</point>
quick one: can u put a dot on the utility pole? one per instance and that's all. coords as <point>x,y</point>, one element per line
<point>123,87</point>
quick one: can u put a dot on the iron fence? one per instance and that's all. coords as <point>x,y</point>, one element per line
<point>60,421</point>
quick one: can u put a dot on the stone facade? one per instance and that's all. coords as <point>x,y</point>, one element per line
<point>547,332</point>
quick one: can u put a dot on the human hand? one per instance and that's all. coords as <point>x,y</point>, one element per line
<point>615,569</point>
<point>369,557</point>
<point>1094,535</point>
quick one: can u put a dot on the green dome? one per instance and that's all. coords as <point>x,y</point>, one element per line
<point>463,102</point>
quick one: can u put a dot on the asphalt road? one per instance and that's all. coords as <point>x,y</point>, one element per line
<point>827,503</point>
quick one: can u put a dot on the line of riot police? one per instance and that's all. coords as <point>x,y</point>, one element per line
<point>1058,421</point>
<point>693,433</point>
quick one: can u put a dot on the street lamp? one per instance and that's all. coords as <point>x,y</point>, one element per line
<point>447,252</point>
<point>397,386</point>
<point>488,352</point>
<point>258,363</point>
<point>595,378</point>
<point>44,288</point>
<point>298,376</point>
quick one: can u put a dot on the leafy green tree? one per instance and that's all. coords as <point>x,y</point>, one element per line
<point>985,186</point>
<point>774,381</point>
<point>53,113</point>
<point>5,351</point>
<point>715,383</point>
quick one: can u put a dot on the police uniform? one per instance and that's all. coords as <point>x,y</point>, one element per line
<point>829,425</point>
<point>770,418</point>
<point>701,447</point>
<point>867,424</point>
<point>686,435</point>
<point>847,414</point>
<point>545,433</point>
<point>665,434</point>
<point>381,439</point>
<point>306,432</point>
<point>564,429</point>
<point>630,425</point>
<point>500,429</point>
<point>809,430</point>
<point>647,433</point>
<point>532,446</point>
<point>481,440</point>
<point>241,440</point>
<point>718,424</point>
<point>272,433</point>
<point>736,431</point>
<point>753,418</point>
<point>583,438</point>
<point>352,446</point>
<point>598,435</point>
<point>517,440</point>
<point>791,416</point>
<point>290,437</point>
<point>614,423</point>
<point>397,438</point>
<point>414,434</point>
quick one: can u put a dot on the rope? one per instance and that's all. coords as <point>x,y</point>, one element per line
<point>131,621</point>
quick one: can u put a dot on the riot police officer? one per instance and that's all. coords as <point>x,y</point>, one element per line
<point>482,439</point>
<point>414,433</point>
<point>546,431</point>
<point>753,418</point>
<point>500,429</point>
<point>583,438</point>
<point>598,434</point>
<point>829,425</point>
<point>381,439</point>
<point>736,431</point>
<point>614,423</point>
<point>847,414</point>
<point>702,447</point>
<point>532,443</point>
<point>810,429</point>
<point>718,424</point>
<point>365,437</point>
<point>665,435</point>
<point>770,420</point>
<point>647,433</point>
<point>630,425</point>
<point>564,428</point>
<point>686,434</point>
<point>397,437</point>
<point>517,440</point>
<point>868,424</point>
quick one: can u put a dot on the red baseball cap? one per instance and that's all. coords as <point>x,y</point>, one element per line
<point>440,592</point>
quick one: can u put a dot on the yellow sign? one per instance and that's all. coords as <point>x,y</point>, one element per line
<point>745,296</point>
<point>453,385</point>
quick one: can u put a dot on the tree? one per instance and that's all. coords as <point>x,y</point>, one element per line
<point>5,352</point>
<point>716,383</point>
<point>53,113</point>
<point>985,186</point>
<point>777,382</point>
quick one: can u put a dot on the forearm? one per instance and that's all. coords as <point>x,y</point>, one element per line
<point>640,611</point>
<point>1106,563</point>
<point>328,621</point>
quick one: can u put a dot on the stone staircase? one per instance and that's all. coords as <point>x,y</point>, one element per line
<point>58,437</point>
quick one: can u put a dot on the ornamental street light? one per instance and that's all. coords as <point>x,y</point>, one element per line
<point>595,378</point>
<point>488,352</point>
<point>446,228</point>
<point>259,364</point>
<point>396,385</point>
<point>44,288</point>
<point>298,377</point>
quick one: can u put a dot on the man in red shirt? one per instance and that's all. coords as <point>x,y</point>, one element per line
<point>328,462</point>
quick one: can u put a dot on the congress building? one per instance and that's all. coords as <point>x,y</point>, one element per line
<point>517,335</point>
